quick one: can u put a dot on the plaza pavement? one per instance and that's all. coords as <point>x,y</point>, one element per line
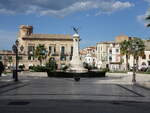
<point>115,86</point>
<point>36,93</point>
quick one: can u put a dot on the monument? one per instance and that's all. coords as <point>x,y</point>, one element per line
<point>76,65</point>
<point>76,69</point>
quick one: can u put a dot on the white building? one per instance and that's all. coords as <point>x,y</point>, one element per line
<point>102,54</point>
<point>114,57</point>
<point>88,55</point>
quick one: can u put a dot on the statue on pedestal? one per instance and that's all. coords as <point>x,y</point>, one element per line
<point>76,64</point>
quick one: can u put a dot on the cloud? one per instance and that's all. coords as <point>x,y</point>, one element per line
<point>147,0</point>
<point>60,7</point>
<point>141,18</point>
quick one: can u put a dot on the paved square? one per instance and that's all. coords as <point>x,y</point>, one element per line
<point>63,95</point>
<point>67,88</point>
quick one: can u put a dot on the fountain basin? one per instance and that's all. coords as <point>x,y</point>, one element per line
<point>89,74</point>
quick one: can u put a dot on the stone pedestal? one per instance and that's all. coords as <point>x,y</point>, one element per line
<point>76,64</point>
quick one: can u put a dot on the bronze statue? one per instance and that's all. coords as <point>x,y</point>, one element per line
<point>76,30</point>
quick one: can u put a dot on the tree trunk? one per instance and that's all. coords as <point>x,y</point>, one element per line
<point>137,63</point>
<point>40,62</point>
<point>127,64</point>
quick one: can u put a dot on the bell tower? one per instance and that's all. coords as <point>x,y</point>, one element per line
<point>25,30</point>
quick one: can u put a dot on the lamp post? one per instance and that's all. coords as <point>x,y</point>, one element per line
<point>15,50</point>
<point>134,71</point>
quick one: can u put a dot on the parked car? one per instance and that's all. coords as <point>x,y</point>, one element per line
<point>143,68</point>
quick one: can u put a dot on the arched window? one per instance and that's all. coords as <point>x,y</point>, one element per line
<point>63,56</point>
<point>110,51</point>
<point>50,49</point>
<point>30,52</point>
<point>110,58</point>
<point>71,50</point>
<point>62,50</point>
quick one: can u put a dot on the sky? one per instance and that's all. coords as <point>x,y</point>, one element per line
<point>97,20</point>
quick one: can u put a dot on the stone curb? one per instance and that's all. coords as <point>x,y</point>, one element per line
<point>143,86</point>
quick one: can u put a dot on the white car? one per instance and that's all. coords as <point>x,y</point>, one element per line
<point>143,67</point>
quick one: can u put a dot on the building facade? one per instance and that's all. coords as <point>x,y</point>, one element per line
<point>114,57</point>
<point>109,55</point>
<point>58,46</point>
<point>102,54</point>
<point>7,58</point>
<point>88,55</point>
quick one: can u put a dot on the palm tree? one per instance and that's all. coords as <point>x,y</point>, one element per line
<point>40,53</point>
<point>148,19</point>
<point>139,49</point>
<point>124,49</point>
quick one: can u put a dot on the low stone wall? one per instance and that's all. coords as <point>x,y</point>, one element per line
<point>71,75</point>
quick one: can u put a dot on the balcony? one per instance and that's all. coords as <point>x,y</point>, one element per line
<point>54,54</point>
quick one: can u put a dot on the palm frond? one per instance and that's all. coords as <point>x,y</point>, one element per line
<point>148,17</point>
<point>148,25</point>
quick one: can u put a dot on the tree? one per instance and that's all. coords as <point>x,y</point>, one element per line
<point>138,47</point>
<point>134,47</point>
<point>40,53</point>
<point>51,65</point>
<point>124,49</point>
<point>148,19</point>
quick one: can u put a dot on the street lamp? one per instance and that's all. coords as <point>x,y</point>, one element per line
<point>15,50</point>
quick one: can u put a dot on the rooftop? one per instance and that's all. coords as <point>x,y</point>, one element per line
<point>48,36</point>
<point>107,42</point>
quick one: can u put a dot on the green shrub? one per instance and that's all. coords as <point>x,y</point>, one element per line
<point>2,68</point>
<point>22,67</point>
<point>148,69</point>
<point>39,68</point>
<point>65,68</point>
<point>105,69</point>
<point>51,65</point>
<point>87,66</point>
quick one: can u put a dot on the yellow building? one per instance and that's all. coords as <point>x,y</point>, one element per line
<point>121,38</point>
<point>59,46</point>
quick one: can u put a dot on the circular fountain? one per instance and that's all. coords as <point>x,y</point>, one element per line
<point>76,68</point>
